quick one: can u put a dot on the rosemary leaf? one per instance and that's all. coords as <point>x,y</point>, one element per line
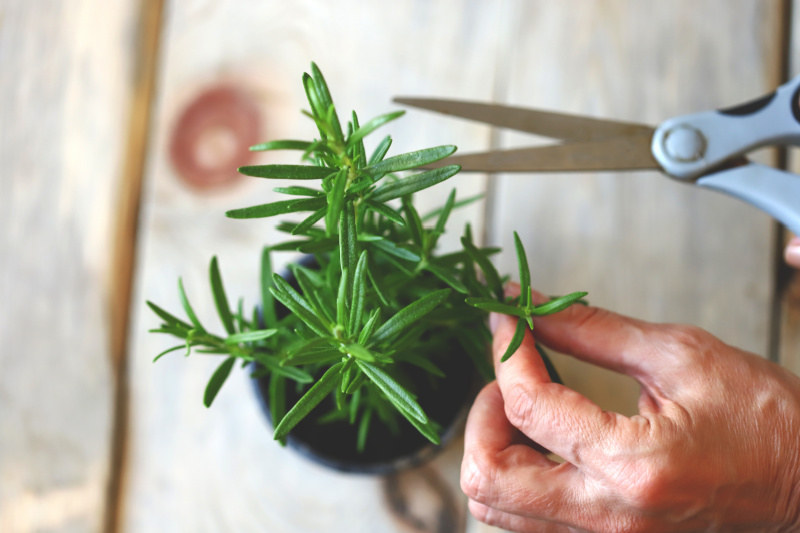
<point>359,352</point>
<point>414,183</point>
<point>274,366</point>
<point>380,151</point>
<point>490,304</point>
<point>414,223</point>
<point>410,160</point>
<point>445,213</point>
<point>348,245</point>
<point>369,327</point>
<point>281,145</point>
<point>399,396</point>
<point>391,248</point>
<point>217,380</point>
<point>168,318</point>
<point>489,272</point>
<point>277,208</point>
<point>335,200</point>
<point>325,355</point>
<point>287,172</point>
<point>341,301</point>
<point>524,273</point>
<point>250,336</point>
<point>408,315</point>
<point>297,305</point>
<point>317,107</point>
<point>363,430</point>
<point>310,399</point>
<point>220,299</point>
<point>312,219</point>
<point>447,276</point>
<point>371,126</point>
<point>428,429</point>
<point>299,191</point>
<point>359,294</point>
<point>559,304</point>
<point>516,341</point>
<point>187,307</point>
<point>355,385</point>
<point>168,350</point>
<point>324,95</point>
<point>277,399</point>
<point>386,211</point>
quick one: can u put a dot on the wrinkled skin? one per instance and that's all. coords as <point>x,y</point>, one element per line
<point>715,446</point>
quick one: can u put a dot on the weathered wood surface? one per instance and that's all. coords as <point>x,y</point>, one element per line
<point>65,86</point>
<point>641,244</point>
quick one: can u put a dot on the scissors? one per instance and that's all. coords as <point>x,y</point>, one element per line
<point>705,149</point>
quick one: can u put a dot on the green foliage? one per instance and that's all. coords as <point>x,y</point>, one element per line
<point>377,299</point>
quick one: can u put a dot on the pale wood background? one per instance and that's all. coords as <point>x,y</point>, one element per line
<point>74,101</point>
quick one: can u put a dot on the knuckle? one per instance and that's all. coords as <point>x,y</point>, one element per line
<point>685,336</point>
<point>478,472</point>
<point>519,403</point>
<point>689,342</point>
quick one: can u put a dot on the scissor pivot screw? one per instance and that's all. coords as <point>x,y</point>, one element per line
<point>684,143</point>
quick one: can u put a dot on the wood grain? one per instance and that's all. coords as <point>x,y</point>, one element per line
<point>64,93</point>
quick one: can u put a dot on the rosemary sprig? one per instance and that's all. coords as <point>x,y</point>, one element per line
<point>375,298</point>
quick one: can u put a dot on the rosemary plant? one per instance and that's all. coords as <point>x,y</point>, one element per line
<point>376,297</point>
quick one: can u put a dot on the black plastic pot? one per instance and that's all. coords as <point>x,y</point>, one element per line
<point>334,444</point>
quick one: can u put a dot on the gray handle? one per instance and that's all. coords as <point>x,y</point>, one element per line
<point>689,146</point>
<point>774,191</point>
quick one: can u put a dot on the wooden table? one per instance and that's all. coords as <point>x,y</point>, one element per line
<point>98,215</point>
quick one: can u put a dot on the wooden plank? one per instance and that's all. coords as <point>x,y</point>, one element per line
<point>640,244</point>
<point>126,226</point>
<point>64,93</point>
<point>191,468</point>
<point>789,279</point>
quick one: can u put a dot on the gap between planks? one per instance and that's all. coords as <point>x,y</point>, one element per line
<point>150,16</point>
<point>781,272</point>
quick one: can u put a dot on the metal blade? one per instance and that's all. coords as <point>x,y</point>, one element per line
<point>631,153</point>
<point>546,123</point>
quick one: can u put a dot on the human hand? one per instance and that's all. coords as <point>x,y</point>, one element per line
<point>715,446</point>
<point>792,252</point>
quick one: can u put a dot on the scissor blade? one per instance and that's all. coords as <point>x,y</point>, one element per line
<point>630,153</point>
<point>562,126</point>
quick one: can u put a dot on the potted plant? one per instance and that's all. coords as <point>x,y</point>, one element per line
<point>365,352</point>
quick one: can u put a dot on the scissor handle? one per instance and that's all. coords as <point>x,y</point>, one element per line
<point>774,191</point>
<point>691,146</point>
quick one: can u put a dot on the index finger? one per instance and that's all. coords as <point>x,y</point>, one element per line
<point>551,414</point>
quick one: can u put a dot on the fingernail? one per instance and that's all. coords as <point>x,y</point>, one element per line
<point>494,321</point>
<point>792,254</point>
